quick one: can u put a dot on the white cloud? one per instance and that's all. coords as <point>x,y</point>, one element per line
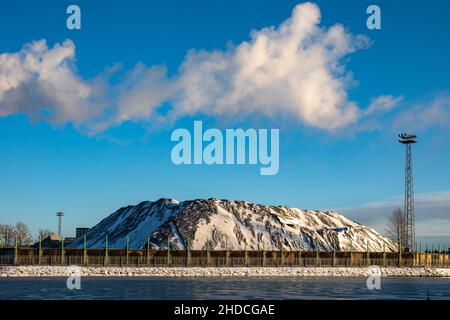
<point>382,104</point>
<point>138,96</point>
<point>295,70</point>
<point>40,82</point>
<point>422,116</point>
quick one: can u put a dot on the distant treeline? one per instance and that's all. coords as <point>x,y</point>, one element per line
<point>19,234</point>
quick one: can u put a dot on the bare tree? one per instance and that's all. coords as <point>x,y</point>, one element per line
<point>45,233</point>
<point>7,235</point>
<point>396,227</point>
<point>23,234</point>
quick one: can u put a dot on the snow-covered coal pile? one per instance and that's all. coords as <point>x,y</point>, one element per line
<point>235,225</point>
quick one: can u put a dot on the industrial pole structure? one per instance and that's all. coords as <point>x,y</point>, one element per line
<point>60,215</point>
<point>410,229</point>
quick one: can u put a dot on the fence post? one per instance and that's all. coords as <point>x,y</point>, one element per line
<point>62,250</point>
<point>384,254</point>
<point>245,255</point>
<point>445,256</point>
<point>168,252</point>
<point>399,255</point>
<point>433,258</point>
<point>367,253</point>
<point>40,250</point>
<point>207,253</point>
<point>430,255</point>
<point>439,255</point>
<point>351,254</point>
<point>148,251</point>
<point>202,257</point>
<point>16,249</point>
<point>126,250</point>
<point>85,252</point>
<point>426,254</point>
<point>333,258</point>
<point>106,251</point>
<point>282,254</point>
<point>263,255</point>
<point>187,253</point>
<point>299,256</point>
<point>227,254</point>
<point>420,254</point>
<point>415,255</point>
<point>317,256</point>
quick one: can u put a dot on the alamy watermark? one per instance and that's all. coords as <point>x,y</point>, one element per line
<point>374,280</point>
<point>74,280</point>
<point>373,22</point>
<point>235,146</point>
<point>73,21</point>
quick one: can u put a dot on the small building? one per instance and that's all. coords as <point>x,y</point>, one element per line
<point>53,241</point>
<point>68,240</point>
<point>79,232</point>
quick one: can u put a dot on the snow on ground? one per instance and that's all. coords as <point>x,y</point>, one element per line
<point>55,271</point>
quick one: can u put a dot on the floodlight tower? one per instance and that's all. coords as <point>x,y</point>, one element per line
<point>410,228</point>
<point>59,215</point>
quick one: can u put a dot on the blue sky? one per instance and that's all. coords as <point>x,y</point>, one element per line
<point>88,164</point>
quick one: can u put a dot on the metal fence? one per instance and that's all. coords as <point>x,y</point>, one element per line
<point>196,258</point>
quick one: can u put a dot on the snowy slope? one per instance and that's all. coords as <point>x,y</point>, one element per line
<point>220,224</point>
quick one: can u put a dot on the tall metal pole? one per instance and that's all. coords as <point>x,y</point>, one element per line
<point>409,199</point>
<point>59,215</point>
<point>410,230</point>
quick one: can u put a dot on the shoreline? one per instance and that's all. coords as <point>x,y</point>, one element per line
<point>59,271</point>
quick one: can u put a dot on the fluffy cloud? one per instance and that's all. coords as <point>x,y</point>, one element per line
<point>294,70</point>
<point>434,114</point>
<point>40,82</point>
<point>382,104</point>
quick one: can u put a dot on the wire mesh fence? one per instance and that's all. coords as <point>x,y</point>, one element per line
<point>197,258</point>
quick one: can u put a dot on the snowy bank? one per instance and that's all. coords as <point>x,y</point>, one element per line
<point>55,271</point>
